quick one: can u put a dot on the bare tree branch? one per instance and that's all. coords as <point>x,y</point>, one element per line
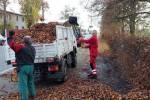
<point>122,17</point>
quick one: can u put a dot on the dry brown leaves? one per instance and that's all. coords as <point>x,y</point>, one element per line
<point>40,33</point>
<point>82,89</point>
<point>75,89</point>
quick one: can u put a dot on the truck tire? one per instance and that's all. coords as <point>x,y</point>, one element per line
<point>74,60</point>
<point>37,74</point>
<point>64,71</point>
<point>69,60</point>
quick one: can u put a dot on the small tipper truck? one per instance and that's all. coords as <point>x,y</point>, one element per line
<point>52,59</point>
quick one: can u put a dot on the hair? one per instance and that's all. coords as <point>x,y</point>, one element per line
<point>27,40</point>
<point>94,32</point>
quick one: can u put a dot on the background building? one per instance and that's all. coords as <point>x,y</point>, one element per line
<point>17,20</point>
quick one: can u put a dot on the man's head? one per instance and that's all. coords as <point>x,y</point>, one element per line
<point>94,32</point>
<point>27,40</point>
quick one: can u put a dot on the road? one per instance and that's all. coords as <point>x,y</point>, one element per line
<point>107,86</point>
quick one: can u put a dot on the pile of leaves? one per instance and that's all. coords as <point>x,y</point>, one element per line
<point>40,33</point>
<point>81,89</point>
<point>133,55</point>
<point>73,89</point>
<point>138,94</point>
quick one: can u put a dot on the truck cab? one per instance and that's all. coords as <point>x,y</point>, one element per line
<point>7,56</point>
<point>86,35</point>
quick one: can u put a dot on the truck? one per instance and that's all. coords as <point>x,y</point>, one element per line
<point>7,56</point>
<point>52,59</point>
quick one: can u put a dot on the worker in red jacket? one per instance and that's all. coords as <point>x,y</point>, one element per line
<point>25,55</point>
<point>92,44</point>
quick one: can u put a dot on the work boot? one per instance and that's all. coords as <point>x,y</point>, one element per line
<point>90,75</point>
<point>31,97</point>
<point>94,76</point>
<point>84,69</point>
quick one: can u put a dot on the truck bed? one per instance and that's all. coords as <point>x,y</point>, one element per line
<point>64,43</point>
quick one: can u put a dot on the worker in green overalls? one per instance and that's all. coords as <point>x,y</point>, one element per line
<point>25,55</point>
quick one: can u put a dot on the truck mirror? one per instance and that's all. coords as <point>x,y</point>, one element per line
<point>73,20</point>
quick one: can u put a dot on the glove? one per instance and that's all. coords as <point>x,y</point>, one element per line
<point>85,46</point>
<point>82,46</point>
<point>11,33</point>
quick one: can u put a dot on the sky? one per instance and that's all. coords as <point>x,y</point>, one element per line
<point>55,8</point>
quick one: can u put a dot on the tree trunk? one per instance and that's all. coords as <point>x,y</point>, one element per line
<point>132,24</point>
<point>122,26</point>
<point>5,22</point>
<point>132,17</point>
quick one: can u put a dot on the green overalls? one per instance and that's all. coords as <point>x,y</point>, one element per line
<point>26,82</point>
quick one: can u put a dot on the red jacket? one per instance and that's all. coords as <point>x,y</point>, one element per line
<point>25,54</point>
<point>93,45</point>
<point>15,46</point>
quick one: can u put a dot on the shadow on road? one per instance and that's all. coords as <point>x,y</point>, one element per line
<point>108,75</point>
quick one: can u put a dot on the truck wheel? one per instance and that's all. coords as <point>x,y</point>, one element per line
<point>64,71</point>
<point>69,60</point>
<point>74,60</point>
<point>37,74</point>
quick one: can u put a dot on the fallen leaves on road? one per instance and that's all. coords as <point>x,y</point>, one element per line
<point>82,89</point>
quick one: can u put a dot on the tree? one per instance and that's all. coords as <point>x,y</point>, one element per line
<point>9,26</point>
<point>126,12</point>
<point>30,9</point>
<point>44,6</point>
<point>131,11</point>
<point>3,5</point>
<point>68,11</point>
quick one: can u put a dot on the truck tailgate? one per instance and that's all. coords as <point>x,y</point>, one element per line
<point>44,51</point>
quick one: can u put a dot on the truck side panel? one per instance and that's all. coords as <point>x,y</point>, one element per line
<point>60,41</point>
<point>65,39</point>
<point>66,32</point>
